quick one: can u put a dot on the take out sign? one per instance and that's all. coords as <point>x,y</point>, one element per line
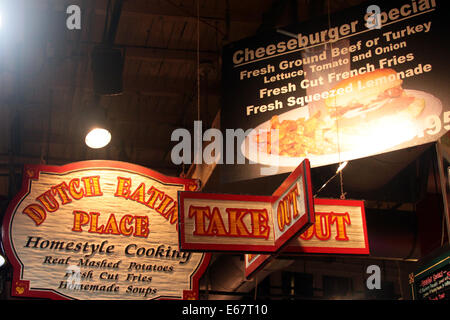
<point>339,228</point>
<point>225,222</point>
<point>99,230</point>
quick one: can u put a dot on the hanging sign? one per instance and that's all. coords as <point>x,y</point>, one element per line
<point>99,230</point>
<point>224,222</point>
<point>364,81</point>
<point>432,280</point>
<point>339,228</point>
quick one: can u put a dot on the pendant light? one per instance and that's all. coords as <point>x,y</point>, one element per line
<point>98,138</point>
<point>96,131</point>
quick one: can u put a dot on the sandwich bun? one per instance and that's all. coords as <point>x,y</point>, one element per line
<point>366,88</point>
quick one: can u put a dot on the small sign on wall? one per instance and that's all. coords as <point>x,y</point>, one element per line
<point>432,280</point>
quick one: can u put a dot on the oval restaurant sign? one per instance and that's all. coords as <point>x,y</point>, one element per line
<point>99,230</point>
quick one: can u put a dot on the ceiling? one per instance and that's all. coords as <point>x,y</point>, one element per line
<point>171,75</point>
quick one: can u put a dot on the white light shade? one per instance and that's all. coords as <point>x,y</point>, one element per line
<point>2,260</point>
<point>98,138</point>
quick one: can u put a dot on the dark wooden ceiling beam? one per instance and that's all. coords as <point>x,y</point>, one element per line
<point>140,85</point>
<point>21,159</point>
<point>81,50</point>
<point>141,9</point>
<point>156,90</point>
<point>173,55</point>
<point>40,137</point>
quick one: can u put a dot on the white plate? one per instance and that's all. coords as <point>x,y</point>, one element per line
<point>385,135</point>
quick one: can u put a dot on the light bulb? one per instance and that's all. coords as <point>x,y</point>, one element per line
<point>98,138</point>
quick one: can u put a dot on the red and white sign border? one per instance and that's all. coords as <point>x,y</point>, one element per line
<point>259,261</point>
<point>303,171</point>
<point>21,287</point>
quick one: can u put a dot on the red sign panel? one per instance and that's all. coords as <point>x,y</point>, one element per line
<point>339,227</point>
<point>224,222</point>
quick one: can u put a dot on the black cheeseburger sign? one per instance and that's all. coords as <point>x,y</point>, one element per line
<point>338,89</point>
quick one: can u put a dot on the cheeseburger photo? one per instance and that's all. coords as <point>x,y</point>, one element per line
<point>372,114</point>
<point>374,94</point>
